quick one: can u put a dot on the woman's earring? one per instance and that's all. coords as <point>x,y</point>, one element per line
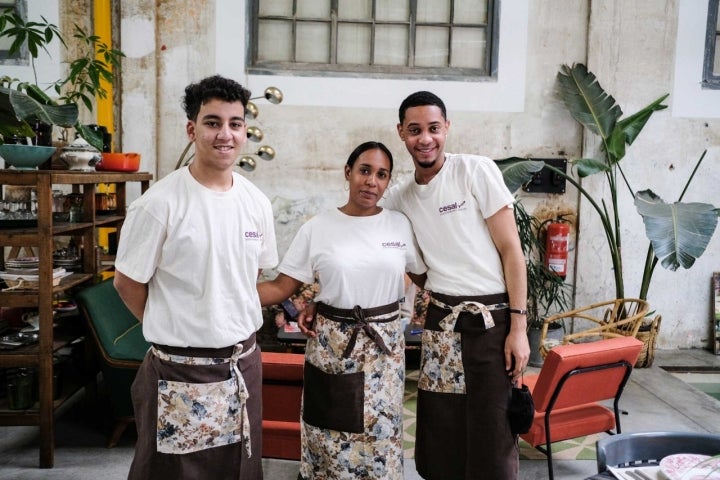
<point>346,187</point>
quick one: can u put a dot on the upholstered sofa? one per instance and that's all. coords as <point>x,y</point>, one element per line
<point>282,393</point>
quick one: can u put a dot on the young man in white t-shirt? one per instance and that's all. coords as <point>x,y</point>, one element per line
<point>474,339</point>
<point>189,256</point>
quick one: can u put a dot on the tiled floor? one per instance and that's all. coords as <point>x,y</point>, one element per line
<point>654,400</point>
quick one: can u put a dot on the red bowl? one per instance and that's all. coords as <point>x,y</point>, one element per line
<point>119,162</point>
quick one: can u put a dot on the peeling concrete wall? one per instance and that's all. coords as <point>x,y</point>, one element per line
<point>632,52</point>
<point>629,45</point>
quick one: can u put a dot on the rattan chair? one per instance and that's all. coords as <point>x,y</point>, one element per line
<point>621,317</point>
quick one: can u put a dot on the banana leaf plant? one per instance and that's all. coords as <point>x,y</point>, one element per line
<point>18,108</point>
<point>678,232</point>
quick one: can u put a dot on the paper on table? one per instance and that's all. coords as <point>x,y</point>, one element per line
<point>653,472</point>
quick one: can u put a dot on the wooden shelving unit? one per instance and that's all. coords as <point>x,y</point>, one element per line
<point>40,355</point>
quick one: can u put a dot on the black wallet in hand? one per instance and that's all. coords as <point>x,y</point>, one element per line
<point>521,410</point>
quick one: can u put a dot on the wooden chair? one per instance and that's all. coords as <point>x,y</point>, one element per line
<point>571,382</point>
<point>648,448</point>
<point>281,398</point>
<point>621,317</point>
<point>119,339</point>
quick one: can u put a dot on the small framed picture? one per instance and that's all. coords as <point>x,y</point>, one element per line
<point>716,313</point>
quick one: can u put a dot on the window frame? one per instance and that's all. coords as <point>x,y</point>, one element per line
<point>22,57</point>
<point>488,72</point>
<point>710,78</point>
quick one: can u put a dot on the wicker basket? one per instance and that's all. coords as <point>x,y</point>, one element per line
<point>648,335</point>
<point>29,282</point>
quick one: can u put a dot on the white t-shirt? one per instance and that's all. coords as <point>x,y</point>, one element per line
<point>199,251</point>
<point>448,217</point>
<point>358,260</point>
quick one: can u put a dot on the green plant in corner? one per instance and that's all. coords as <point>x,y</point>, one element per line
<point>678,232</point>
<point>28,101</point>
<point>547,292</point>
<point>87,73</point>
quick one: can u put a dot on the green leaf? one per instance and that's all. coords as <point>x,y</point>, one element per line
<point>92,137</point>
<point>633,125</point>
<point>518,171</point>
<point>23,107</point>
<point>590,166</point>
<point>586,101</point>
<point>679,232</point>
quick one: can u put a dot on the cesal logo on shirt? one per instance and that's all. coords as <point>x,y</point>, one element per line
<point>395,244</point>
<point>451,207</point>
<point>253,235</point>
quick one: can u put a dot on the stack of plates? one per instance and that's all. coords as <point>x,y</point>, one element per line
<point>71,264</point>
<point>22,265</point>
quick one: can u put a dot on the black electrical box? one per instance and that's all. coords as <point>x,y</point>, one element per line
<point>547,181</point>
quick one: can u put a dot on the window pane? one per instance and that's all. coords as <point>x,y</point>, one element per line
<point>716,60</point>
<point>470,11</point>
<point>353,44</point>
<point>276,7</point>
<point>433,11</point>
<point>313,40</point>
<point>355,9</point>
<point>392,10</point>
<point>313,8</point>
<point>391,45</point>
<point>468,48</point>
<point>275,41</point>
<point>431,47</point>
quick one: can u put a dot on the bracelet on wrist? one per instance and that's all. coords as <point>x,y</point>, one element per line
<point>520,311</point>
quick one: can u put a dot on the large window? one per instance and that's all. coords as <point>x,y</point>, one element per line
<point>446,39</point>
<point>711,64</point>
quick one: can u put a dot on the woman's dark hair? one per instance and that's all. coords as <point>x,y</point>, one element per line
<point>215,87</point>
<point>421,99</point>
<point>364,147</point>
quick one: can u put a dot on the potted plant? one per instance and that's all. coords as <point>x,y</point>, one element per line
<point>547,292</point>
<point>675,244</point>
<point>678,233</point>
<point>83,82</point>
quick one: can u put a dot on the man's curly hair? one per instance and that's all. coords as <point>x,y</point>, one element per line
<point>215,87</point>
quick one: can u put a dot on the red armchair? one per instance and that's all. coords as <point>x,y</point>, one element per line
<point>281,397</point>
<point>566,392</point>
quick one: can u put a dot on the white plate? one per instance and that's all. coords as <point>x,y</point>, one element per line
<point>690,466</point>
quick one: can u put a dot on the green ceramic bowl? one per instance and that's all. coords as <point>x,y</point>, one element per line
<point>25,157</point>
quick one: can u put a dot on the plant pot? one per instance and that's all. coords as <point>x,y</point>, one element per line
<point>553,334</point>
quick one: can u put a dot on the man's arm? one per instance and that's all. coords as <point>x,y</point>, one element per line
<point>504,234</point>
<point>133,294</point>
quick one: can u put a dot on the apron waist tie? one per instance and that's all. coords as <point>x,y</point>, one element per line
<point>361,319</point>
<point>238,353</point>
<point>472,307</point>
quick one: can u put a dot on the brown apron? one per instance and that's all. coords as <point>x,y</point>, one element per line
<point>199,413</point>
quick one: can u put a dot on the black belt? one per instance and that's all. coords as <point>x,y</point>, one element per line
<point>360,319</point>
<point>206,352</point>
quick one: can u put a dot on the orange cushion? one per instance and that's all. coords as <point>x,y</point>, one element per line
<point>281,440</point>
<point>282,395</point>
<point>571,422</point>
<point>588,387</point>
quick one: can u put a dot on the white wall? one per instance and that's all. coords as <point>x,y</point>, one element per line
<point>636,49</point>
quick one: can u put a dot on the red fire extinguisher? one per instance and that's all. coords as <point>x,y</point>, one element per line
<point>556,248</point>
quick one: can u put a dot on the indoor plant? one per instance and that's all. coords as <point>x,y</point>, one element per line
<point>83,82</point>
<point>547,292</point>
<point>678,232</point>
